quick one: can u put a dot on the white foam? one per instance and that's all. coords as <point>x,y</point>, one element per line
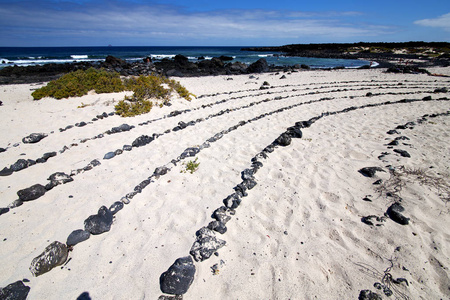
<point>32,62</point>
<point>79,56</point>
<point>161,56</point>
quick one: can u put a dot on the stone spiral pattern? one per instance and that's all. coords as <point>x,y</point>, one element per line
<point>207,242</point>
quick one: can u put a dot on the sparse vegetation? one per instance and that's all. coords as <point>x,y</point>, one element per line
<point>399,177</point>
<point>144,88</point>
<point>387,283</point>
<point>190,166</point>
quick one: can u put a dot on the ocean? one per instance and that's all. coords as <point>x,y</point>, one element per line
<point>42,55</point>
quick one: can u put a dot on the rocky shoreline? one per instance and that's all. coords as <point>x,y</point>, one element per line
<point>419,55</point>
<point>179,66</point>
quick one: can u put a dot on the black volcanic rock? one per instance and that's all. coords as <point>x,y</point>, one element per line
<point>77,236</point>
<point>294,132</point>
<point>114,61</point>
<point>15,291</point>
<point>370,171</point>
<point>395,213</point>
<point>6,171</point>
<point>33,138</point>
<point>206,244</point>
<point>181,59</point>
<point>179,277</point>
<point>99,223</point>
<point>369,295</point>
<point>217,226</point>
<point>116,207</point>
<point>259,66</point>
<point>142,141</point>
<point>32,193</point>
<point>19,165</point>
<point>225,58</point>
<point>403,153</point>
<point>283,140</point>
<point>54,255</point>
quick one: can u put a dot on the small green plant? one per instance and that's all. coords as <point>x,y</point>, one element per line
<point>83,105</point>
<point>190,166</point>
<point>129,109</point>
<point>146,87</point>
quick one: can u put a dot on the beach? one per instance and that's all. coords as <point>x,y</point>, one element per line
<point>308,224</point>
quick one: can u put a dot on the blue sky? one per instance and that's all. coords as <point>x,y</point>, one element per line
<point>220,23</point>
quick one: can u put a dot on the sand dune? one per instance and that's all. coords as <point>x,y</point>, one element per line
<point>297,235</point>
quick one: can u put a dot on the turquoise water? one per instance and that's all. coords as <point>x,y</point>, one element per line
<point>42,55</point>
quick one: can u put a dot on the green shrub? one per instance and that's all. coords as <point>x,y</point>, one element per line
<point>149,87</point>
<point>79,83</point>
<point>144,88</point>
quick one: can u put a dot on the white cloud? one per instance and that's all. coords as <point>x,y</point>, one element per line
<point>166,22</point>
<point>441,22</point>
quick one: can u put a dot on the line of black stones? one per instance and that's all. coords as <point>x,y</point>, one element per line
<point>336,84</point>
<point>38,190</point>
<point>22,164</point>
<point>178,278</point>
<point>36,137</point>
<point>395,211</point>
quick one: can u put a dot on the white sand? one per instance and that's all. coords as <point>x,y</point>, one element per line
<point>297,235</point>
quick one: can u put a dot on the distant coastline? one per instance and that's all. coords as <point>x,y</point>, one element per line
<point>421,54</point>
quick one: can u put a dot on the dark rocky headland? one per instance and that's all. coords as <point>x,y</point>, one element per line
<point>419,54</point>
